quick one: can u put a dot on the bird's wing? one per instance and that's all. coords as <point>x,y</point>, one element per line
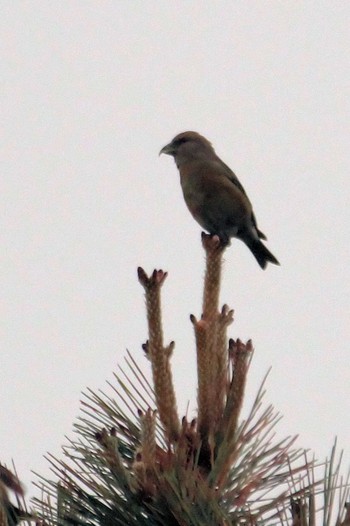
<point>234,179</point>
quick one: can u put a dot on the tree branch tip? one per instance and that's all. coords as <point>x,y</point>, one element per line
<point>171,347</point>
<point>168,351</point>
<point>226,314</point>
<point>199,324</point>
<point>98,436</point>
<point>249,346</point>
<point>236,347</point>
<point>212,242</point>
<point>102,437</point>
<point>149,413</point>
<point>141,274</point>
<point>157,277</point>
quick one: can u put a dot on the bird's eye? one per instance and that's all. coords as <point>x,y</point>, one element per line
<point>180,141</point>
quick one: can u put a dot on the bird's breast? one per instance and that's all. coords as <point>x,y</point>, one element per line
<point>213,199</point>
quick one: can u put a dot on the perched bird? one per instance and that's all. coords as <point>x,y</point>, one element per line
<point>214,195</point>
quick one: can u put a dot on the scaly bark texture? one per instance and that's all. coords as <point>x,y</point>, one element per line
<point>211,358</point>
<point>159,355</point>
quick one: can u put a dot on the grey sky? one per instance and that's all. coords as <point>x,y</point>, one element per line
<point>90,93</point>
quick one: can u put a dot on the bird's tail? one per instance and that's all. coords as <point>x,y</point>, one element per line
<point>260,252</point>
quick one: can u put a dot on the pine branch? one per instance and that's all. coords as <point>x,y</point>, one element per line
<point>133,462</point>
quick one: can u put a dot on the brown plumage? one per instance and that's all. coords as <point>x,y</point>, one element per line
<point>214,195</point>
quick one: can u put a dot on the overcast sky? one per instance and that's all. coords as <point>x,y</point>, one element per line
<point>90,92</point>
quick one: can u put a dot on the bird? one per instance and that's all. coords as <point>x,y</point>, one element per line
<point>214,195</point>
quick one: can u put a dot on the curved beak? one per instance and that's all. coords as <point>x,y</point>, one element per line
<point>168,149</point>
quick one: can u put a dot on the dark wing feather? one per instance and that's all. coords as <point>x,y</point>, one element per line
<point>234,179</point>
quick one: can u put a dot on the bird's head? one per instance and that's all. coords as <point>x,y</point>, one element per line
<point>189,146</point>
